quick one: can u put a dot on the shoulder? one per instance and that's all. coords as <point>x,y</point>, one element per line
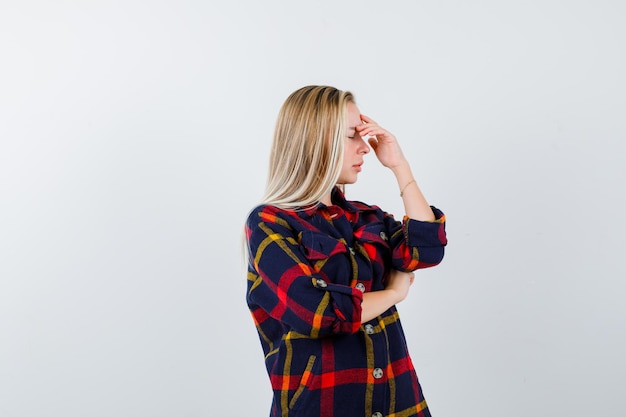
<point>269,214</point>
<point>262,211</point>
<point>268,209</point>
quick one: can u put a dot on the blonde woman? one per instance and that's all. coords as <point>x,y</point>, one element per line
<point>325,273</point>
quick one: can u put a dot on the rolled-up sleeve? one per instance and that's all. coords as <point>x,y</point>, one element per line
<point>418,244</point>
<point>282,284</point>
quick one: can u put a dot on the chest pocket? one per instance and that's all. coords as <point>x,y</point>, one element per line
<point>374,240</point>
<point>318,246</point>
<point>326,254</point>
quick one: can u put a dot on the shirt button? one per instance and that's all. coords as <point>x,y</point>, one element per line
<point>352,252</point>
<point>377,414</point>
<point>369,329</point>
<point>378,373</point>
<point>360,287</point>
<point>383,235</point>
<point>321,283</point>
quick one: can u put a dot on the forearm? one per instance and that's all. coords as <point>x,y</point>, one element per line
<point>376,303</point>
<point>415,204</point>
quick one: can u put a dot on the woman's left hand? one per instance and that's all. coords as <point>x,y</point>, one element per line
<point>383,142</point>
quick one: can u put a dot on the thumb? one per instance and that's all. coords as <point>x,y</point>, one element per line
<point>373,143</point>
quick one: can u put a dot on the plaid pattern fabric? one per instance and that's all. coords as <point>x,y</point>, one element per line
<point>307,273</point>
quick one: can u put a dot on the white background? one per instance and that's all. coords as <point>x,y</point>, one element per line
<point>134,138</point>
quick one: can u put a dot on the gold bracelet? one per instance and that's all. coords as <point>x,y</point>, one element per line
<point>402,190</point>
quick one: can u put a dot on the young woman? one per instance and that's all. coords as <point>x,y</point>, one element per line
<point>325,273</point>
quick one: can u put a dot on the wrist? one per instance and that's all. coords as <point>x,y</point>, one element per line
<point>395,295</point>
<point>407,185</point>
<point>401,169</point>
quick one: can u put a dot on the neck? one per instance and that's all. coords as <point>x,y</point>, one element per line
<point>326,199</point>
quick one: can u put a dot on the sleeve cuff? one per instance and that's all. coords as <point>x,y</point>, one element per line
<point>346,304</point>
<point>424,233</point>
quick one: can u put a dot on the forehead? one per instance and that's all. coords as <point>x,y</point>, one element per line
<point>354,115</point>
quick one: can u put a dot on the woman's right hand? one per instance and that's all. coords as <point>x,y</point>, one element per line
<point>399,282</point>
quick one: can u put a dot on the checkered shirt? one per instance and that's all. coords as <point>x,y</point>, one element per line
<point>308,270</point>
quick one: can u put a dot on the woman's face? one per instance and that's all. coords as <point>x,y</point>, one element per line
<point>354,148</point>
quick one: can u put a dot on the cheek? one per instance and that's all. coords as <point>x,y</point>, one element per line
<point>350,146</point>
<point>346,160</point>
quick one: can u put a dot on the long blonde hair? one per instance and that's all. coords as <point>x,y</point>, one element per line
<point>307,150</point>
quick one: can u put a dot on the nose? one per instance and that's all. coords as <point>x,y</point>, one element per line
<point>364,147</point>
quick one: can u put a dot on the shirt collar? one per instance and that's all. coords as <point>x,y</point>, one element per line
<point>337,198</point>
